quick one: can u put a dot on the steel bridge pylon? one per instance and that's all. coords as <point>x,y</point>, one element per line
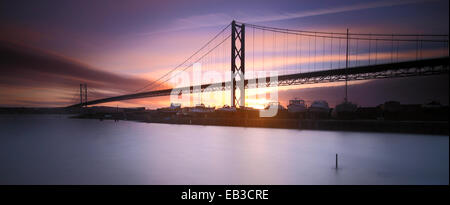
<point>83,102</point>
<point>237,63</point>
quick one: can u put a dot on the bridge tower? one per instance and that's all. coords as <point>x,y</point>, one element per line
<point>83,102</point>
<point>81,95</point>
<point>237,63</point>
<point>85,95</point>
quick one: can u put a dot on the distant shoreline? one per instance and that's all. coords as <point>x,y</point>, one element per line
<point>247,119</point>
<point>412,127</point>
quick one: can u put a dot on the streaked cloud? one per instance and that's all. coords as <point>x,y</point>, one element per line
<point>25,70</point>
<point>327,11</point>
<point>221,19</point>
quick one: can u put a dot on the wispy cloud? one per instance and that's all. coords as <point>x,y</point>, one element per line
<point>35,67</point>
<point>194,22</point>
<point>221,19</point>
<point>327,11</point>
<point>36,75</point>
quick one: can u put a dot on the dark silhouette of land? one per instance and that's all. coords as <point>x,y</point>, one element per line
<point>392,116</point>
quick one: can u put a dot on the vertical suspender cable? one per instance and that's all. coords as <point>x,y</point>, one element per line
<point>331,52</point>
<point>346,67</point>
<point>376,51</point>
<point>323,52</point>
<point>369,47</point>
<point>315,41</point>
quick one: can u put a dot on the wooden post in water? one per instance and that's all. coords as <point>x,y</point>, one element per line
<point>336,161</point>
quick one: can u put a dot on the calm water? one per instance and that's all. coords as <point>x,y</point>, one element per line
<point>57,150</point>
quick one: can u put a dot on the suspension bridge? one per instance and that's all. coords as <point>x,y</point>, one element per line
<point>245,52</point>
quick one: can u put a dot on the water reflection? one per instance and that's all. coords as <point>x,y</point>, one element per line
<point>57,150</point>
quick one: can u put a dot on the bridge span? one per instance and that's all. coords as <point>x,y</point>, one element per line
<point>425,67</point>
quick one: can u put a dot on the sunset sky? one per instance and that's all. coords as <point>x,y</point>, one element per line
<point>48,48</point>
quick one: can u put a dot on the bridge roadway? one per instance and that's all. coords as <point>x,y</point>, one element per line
<point>434,66</point>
